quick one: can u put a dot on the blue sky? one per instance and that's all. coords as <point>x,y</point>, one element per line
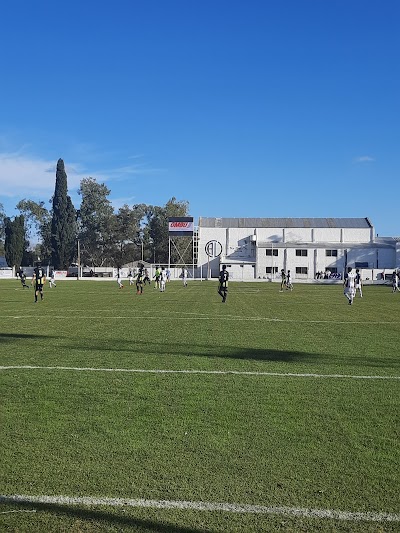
<point>243,108</point>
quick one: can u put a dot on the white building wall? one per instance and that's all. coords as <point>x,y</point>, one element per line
<point>298,235</point>
<point>294,261</point>
<point>324,261</point>
<point>270,261</point>
<point>240,246</point>
<point>269,234</point>
<point>327,235</point>
<point>356,235</point>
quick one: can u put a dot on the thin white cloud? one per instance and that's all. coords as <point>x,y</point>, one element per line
<point>117,203</point>
<point>364,159</point>
<point>29,176</point>
<point>22,175</point>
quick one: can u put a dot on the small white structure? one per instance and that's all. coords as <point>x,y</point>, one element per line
<point>258,248</point>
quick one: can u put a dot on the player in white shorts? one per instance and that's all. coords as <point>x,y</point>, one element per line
<point>162,279</point>
<point>358,283</point>
<point>395,281</point>
<point>349,285</point>
<point>184,276</point>
<point>289,284</point>
<point>52,282</point>
<point>119,280</point>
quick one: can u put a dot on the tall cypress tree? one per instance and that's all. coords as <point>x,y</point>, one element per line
<point>63,224</point>
<point>15,240</point>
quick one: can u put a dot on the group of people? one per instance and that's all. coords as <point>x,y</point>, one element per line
<point>323,275</point>
<point>286,281</point>
<point>352,281</point>
<point>38,280</point>
<point>161,277</point>
<point>141,277</point>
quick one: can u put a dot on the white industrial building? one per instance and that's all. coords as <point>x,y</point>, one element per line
<point>258,248</point>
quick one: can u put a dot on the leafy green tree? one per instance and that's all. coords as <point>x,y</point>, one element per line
<point>63,224</point>
<point>15,241</point>
<point>127,230</point>
<point>96,224</point>
<point>38,220</point>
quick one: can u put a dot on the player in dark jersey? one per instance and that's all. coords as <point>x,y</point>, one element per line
<point>22,277</point>
<point>283,280</point>
<point>146,277</point>
<point>38,279</point>
<point>358,283</point>
<point>223,283</point>
<point>139,282</point>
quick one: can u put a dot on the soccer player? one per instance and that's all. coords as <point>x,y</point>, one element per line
<point>130,277</point>
<point>139,282</point>
<point>52,282</point>
<point>283,280</point>
<point>289,284</point>
<point>358,284</point>
<point>223,283</point>
<point>395,281</point>
<point>349,285</point>
<point>163,279</point>
<point>22,277</point>
<point>184,276</point>
<point>38,279</point>
<point>146,277</point>
<point>157,278</point>
<point>119,280</point>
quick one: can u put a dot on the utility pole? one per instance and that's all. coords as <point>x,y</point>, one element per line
<point>79,259</point>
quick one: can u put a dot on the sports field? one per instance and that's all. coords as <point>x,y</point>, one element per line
<point>173,412</point>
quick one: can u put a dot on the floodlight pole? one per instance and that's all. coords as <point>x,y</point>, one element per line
<point>79,259</point>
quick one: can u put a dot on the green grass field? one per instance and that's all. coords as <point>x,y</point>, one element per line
<point>292,404</point>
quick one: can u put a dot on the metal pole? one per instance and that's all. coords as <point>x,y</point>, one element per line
<point>79,259</point>
<point>272,262</point>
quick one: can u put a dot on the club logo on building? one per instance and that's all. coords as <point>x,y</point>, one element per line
<point>213,249</point>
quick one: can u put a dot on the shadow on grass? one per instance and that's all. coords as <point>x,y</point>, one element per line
<point>110,519</point>
<point>152,348</point>
<point>194,350</point>
<point>11,337</point>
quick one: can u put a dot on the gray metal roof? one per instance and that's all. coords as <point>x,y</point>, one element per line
<point>206,222</point>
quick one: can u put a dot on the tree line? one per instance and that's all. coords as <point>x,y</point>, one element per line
<point>105,237</point>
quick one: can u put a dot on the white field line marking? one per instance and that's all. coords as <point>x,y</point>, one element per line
<point>206,506</point>
<point>213,318</point>
<point>211,372</point>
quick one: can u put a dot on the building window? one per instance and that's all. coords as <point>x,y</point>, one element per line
<point>273,252</point>
<point>302,270</point>
<point>331,253</point>
<point>268,270</point>
<point>301,253</point>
